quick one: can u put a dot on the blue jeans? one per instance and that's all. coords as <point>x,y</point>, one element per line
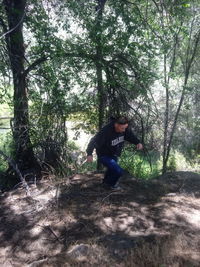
<point>113,172</point>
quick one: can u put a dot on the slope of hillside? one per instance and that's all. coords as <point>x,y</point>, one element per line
<point>74,222</point>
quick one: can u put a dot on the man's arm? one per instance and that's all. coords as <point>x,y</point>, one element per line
<point>130,137</point>
<point>91,146</point>
<point>96,141</point>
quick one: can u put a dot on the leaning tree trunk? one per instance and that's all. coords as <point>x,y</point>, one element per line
<point>24,156</point>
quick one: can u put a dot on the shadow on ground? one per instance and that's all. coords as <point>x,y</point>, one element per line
<point>147,224</point>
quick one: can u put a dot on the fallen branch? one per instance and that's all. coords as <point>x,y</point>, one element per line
<point>47,227</point>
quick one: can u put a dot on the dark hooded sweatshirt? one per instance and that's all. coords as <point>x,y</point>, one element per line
<point>108,142</point>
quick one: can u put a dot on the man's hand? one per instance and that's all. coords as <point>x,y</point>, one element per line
<point>139,146</point>
<point>90,158</point>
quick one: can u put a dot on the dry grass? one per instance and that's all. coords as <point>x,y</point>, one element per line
<point>153,224</point>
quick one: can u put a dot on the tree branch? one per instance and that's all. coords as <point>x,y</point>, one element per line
<point>4,30</point>
<point>82,55</point>
<point>34,64</point>
<point>14,28</point>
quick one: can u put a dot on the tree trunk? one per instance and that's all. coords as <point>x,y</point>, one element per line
<point>190,55</point>
<point>166,117</point>
<point>99,67</point>
<point>99,56</point>
<point>24,156</point>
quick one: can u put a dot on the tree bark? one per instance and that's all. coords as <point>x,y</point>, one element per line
<point>166,117</point>
<point>99,61</point>
<point>24,156</point>
<point>99,66</point>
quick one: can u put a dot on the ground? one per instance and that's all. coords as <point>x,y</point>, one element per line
<point>75,222</point>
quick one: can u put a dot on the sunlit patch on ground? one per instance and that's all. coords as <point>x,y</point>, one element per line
<point>74,221</point>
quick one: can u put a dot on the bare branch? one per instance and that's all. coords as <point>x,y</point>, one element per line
<point>14,28</point>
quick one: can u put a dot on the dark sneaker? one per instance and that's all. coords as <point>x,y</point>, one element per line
<point>115,187</point>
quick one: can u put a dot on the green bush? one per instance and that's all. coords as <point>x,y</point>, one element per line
<point>147,165</point>
<point>6,147</point>
<point>172,163</point>
<point>178,162</point>
<point>140,164</point>
<point>88,167</point>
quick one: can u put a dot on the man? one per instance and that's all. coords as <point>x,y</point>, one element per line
<point>109,142</point>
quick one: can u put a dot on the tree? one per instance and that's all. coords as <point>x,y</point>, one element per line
<point>15,12</point>
<point>179,47</point>
<point>99,59</point>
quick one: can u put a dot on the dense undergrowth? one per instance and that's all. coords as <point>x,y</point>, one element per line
<point>144,164</point>
<point>147,164</point>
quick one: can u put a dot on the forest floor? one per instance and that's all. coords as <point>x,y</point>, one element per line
<point>75,222</point>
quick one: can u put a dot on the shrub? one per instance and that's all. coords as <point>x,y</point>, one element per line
<point>141,164</point>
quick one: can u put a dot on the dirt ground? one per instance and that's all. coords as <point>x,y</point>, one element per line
<point>75,222</point>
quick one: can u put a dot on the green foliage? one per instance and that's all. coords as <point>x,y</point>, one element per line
<point>140,164</point>
<point>133,36</point>
<point>148,166</point>
<point>72,146</point>
<point>3,163</point>
<point>172,166</point>
<point>178,162</point>
<point>88,167</point>
<point>6,145</point>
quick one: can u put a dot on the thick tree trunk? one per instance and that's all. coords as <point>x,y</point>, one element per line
<point>24,156</point>
<point>99,61</point>
<point>101,96</point>
<point>99,67</point>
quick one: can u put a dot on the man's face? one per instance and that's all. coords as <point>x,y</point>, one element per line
<point>120,128</point>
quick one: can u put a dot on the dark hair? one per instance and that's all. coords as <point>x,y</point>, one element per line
<point>122,120</point>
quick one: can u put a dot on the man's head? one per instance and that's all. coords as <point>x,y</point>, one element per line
<point>121,123</point>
